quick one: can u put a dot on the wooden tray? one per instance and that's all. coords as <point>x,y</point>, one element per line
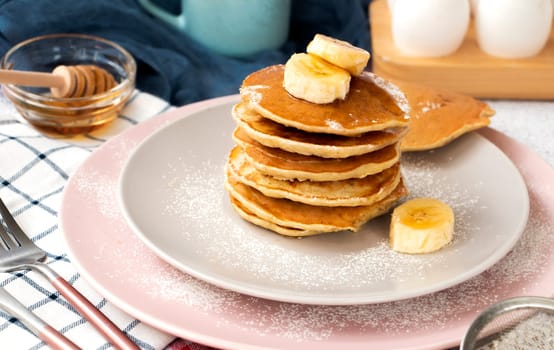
<point>468,70</point>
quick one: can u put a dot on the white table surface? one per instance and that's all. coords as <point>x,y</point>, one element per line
<point>529,122</point>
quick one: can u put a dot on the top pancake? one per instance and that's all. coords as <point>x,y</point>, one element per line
<point>371,104</point>
<point>439,116</point>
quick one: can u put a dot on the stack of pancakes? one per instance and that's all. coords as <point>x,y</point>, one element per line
<point>300,168</point>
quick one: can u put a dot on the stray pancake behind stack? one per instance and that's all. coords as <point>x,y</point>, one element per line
<point>301,168</point>
<point>438,116</point>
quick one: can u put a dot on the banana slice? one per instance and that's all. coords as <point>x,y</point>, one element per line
<point>339,53</point>
<point>314,79</point>
<point>421,225</point>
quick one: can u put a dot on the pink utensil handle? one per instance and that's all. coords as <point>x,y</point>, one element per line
<point>56,340</point>
<point>97,319</point>
<point>93,315</point>
<point>36,325</point>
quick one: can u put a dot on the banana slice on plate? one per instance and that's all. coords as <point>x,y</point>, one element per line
<point>315,80</point>
<point>339,53</point>
<point>421,225</point>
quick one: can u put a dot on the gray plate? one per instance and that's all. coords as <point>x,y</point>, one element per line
<point>172,195</point>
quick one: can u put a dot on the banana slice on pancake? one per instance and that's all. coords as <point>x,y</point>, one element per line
<point>322,75</point>
<point>339,53</point>
<point>315,80</point>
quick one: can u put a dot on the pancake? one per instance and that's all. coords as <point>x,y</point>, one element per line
<point>304,217</point>
<point>286,165</point>
<point>350,192</point>
<point>285,231</point>
<point>272,134</point>
<point>371,104</point>
<point>439,116</point>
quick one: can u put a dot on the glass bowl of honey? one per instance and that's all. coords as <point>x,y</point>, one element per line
<point>70,114</point>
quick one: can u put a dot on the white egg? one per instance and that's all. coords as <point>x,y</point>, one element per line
<point>429,28</point>
<point>513,28</point>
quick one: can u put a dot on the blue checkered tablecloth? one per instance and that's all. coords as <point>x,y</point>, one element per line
<point>34,169</point>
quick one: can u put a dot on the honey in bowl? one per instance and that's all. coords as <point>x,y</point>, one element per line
<point>70,115</point>
<point>44,108</point>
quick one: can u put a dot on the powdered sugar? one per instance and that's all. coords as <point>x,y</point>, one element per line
<point>98,187</point>
<point>534,333</point>
<point>239,248</point>
<point>392,90</point>
<point>101,187</point>
<point>428,106</point>
<point>333,124</point>
<point>252,93</point>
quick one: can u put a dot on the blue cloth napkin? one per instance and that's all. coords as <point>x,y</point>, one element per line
<point>170,64</point>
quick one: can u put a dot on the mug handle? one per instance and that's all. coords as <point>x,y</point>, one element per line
<point>178,21</point>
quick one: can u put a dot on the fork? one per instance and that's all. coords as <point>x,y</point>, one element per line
<point>48,334</point>
<point>18,252</point>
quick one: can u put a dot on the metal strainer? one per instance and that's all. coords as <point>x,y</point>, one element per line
<point>515,323</point>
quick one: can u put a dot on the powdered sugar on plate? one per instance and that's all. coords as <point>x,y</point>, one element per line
<point>241,248</point>
<point>340,268</point>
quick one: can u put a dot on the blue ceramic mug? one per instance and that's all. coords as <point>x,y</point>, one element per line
<point>231,27</point>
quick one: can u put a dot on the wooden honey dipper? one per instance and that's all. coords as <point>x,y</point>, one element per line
<point>64,81</point>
